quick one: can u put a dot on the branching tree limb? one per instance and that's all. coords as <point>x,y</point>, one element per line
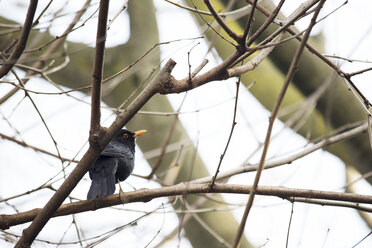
<point>145,195</point>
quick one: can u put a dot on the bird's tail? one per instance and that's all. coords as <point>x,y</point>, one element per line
<point>102,185</point>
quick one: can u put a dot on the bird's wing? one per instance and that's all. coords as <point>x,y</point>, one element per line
<point>116,149</point>
<point>103,177</point>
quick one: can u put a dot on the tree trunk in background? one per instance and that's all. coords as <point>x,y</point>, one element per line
<point>335,108</point>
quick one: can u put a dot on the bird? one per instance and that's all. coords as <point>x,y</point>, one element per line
<point>114,164</point>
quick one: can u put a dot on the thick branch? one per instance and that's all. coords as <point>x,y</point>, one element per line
<point>90,156</point>
<point>219,72</point>
<point>145,195</point>
<point>98,68</point>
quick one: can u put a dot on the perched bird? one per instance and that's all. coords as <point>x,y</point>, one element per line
<point>115,163</point>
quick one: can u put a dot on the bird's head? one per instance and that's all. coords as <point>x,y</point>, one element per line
<point>127,137</point>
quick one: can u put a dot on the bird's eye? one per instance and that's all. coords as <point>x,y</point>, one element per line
<point>125,136</point>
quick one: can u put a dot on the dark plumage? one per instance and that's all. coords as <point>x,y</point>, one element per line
<point>115,163</point>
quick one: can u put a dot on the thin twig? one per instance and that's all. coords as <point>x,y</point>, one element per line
<point>273,115</point>
<point>289,21</point>
<point>24,144</point>
<point>220,21</point>
<point>266,24</point>
<point>351,74</point>
<point>289,226</point>
<point>42,13</point>
<point>210,26</point>
<point>40,115</point>
<point>62,38</point>
<point>50,50</point>
<point>230,135</point>
<point>348,59</point>
<point>249,24</point>
<point>21,44</point>
<point>369,122</point>
<point>356,206</point>
<point>121,9</point>
<point>365,102</point>
<point>246,167</point>
<point>362,239</point>
<point>228,15</point>
<point>166,141</point>
<point>208,228</point>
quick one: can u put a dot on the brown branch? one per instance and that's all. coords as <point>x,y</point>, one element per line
<point>38,112</point>
<point>219,72</point>
<point>24,144</point>
<point>165,144</point>
<point>42,13</point>
<point>21,44</point>
<point>266,24</point>
<point>211,27</point>
<point>220,21</point>
<point>352,205</point>
<point>357,93</point>
<point>289,225</point>
<point>71,28</point>
<point>272,118</point>
<point>95,117</point>
<point>51,49</point>
<point>289,21</point>
<point>327,141</point>
<point>146,195</point>
<point>248,25</point>
<point>230,136</point>
<point>351,74</point>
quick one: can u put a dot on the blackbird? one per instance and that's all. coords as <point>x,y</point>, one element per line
<point>115,163</point>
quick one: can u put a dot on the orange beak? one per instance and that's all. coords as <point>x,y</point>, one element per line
<point>138,133</point>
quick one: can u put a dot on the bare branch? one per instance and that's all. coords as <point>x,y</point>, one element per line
<point>219,72</point>
<point>230,136</point>
<point>24,144</point>
<point>249,24</point>
<point>220,21</point>
<point>50,50</point>
<point>290,159</point>
<point>266,24</point>
<point>289,225</point>
<point>145,195</point>
<point>21,44</point>
<point>98,69</point>
<point>272,118</point>
<point>253,63</point>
